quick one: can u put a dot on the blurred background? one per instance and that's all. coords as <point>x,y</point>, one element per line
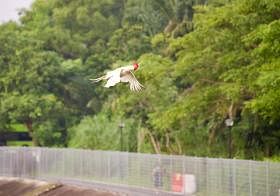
<point>211,71</point>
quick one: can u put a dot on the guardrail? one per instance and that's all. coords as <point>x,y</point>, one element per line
<point>157,173</point>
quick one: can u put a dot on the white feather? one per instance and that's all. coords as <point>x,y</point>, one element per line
<point>134,84</point>
<point>113,78</point>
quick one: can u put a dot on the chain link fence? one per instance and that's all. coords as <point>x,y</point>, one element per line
<point>217,177</point>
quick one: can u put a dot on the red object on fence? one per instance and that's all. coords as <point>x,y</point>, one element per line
<point>177,182</point>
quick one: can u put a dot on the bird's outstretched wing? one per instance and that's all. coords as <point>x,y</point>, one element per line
<point>134,85</point>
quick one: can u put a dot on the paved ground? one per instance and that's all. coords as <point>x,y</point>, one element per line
<point>20,187</point>
<point>124,189</point>
<point>10,186</point>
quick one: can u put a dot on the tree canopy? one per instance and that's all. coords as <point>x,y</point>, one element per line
<point>202,62</point>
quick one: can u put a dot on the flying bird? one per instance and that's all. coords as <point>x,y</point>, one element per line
<point>122,74</point>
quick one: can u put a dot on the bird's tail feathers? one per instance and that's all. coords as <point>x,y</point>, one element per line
<point>98,79</point>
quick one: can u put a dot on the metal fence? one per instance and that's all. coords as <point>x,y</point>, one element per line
<point>212,176</point>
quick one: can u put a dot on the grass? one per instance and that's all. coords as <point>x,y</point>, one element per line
<point>17,127</point>
<point>19,143</point>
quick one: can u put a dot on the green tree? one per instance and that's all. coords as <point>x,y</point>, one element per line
<point>103,132</point>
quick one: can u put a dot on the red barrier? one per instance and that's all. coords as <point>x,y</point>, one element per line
<point>177,182</point>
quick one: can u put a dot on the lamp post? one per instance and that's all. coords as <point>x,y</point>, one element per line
<point>229,124</point>
<point>121,126</point>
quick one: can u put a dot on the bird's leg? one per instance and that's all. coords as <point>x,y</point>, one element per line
<point>98,79</point>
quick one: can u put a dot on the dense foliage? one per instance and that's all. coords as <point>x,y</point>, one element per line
<point>202,62</point>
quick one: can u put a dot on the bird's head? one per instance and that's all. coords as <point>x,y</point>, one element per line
<point>135,65</point>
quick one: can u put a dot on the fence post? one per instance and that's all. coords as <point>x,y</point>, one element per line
<point>250,178</point>
<point>234,177</point>
<point>220,175</point>
<point>81,165</point>
<point>196,170</point>
<point>267,177</point>
<point>63,162</point>
<point>183,173</point>
<point>109,165</point>
<point>206,174</point>
<point>24,162</point>
<point>184,167</point>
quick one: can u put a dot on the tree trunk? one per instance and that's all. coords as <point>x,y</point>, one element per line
<point>167,145</point>
<point>174,149</point>
<point>170,26</point>
<point>177,141</point>
<point>3,141</point>
<point>140,139</point>
<point>154,143</point>
<point>29,127</point>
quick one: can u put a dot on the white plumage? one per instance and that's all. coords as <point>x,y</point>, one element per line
<point>122,74</point>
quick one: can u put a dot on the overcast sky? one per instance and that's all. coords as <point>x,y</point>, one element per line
<point>9,9</point>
